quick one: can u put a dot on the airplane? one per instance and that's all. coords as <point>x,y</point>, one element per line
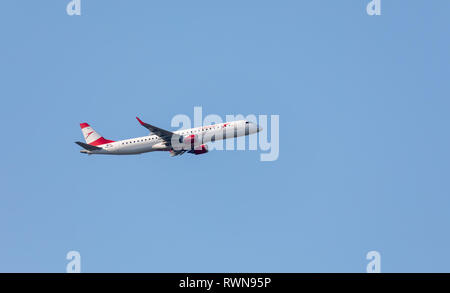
<point>191,140</point>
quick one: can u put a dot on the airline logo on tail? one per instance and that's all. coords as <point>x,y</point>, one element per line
<point>91,136</point>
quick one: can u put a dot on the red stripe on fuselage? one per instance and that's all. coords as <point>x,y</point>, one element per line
<point>100,141</point>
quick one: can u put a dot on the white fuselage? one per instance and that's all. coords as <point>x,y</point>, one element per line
<point>202,135</point>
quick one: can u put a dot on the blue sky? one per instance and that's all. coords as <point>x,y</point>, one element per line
<point>364,145</point>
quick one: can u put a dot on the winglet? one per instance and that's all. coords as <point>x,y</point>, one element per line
<point>140,121</point>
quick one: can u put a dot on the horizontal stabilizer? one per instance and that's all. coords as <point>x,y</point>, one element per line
<point>87,146</point>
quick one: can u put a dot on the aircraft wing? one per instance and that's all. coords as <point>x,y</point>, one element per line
<point>162,133</point>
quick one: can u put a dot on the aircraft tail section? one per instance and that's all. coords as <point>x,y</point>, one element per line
<point>91,136</point>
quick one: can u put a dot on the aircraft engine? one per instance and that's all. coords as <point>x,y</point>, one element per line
<point>203,149</point>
